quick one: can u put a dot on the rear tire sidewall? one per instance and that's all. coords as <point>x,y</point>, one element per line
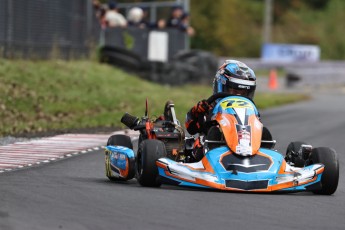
<point>149,152</point>
<point>330,176</point>
<point>120,140</point>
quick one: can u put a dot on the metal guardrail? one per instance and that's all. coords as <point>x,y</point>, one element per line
<point>257,63</point>
<point>37,29</point>
<point>56,28</point>
<point>137,40</point>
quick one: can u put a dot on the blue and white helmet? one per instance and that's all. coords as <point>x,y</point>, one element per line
<point>236,78</point>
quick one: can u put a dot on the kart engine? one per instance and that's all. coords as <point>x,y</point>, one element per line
<point>172,141</point>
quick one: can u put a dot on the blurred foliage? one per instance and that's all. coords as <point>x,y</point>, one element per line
<point>234,27</point>
<point>229,28</point>
<point>320,24</point>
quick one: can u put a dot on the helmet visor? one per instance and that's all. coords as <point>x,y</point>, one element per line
<point>240,87</point>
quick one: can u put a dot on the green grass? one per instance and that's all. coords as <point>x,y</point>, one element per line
<point>56,95</point>
<point>269,100</point>
<point>266,72</point>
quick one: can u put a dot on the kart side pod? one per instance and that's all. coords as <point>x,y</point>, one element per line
<point>119,163</point>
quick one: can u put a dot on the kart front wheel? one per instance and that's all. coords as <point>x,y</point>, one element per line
<point>266,136</point>
<point>119,140</point>
<point>149,152</point>
<point>330,176</point>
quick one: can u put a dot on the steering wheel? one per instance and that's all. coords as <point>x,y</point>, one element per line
<point>224,94</point>
<point>212,99</point>
<point>216,96</point>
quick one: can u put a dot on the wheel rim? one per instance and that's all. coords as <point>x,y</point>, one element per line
<point>107,166</point>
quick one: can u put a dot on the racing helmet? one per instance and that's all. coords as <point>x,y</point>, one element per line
<point>236,78</point>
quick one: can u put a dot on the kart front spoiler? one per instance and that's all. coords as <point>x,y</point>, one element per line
<point>210,173</point>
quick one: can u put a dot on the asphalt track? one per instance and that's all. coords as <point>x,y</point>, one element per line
<point>74,193</point>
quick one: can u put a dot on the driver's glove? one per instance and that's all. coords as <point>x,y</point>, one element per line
<point>200,108</point>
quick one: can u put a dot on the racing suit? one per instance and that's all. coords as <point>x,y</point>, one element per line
<point>195,118</point>
<point>195,123</point>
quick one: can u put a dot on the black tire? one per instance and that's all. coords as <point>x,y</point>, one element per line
<point>266,136</point>
<point>214,134</point>
<point>120,57</point>
<point>330,176</point>
<point>148,153</point>
<point>204,62</point>
<point>295,147</point>
<point>120,140</point>
<point>140,140</point>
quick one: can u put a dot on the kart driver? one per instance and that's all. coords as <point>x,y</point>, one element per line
<point>233,77</point>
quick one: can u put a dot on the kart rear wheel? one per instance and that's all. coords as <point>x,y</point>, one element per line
<point>149,152</point>
<point>119,140</point>
<point>294,147</point>
<point>330,176</point>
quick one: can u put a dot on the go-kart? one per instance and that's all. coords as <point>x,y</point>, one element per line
<point>239,154</point>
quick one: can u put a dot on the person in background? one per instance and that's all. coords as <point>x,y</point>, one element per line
<point>113,18</point>
<point>145,20</point>
<point>135,18</point>
<point>101,17</point>
<point>180,20</point>
<point>175,18</point>
<point>185,25</point>
<point>161,24</point>
<point>96,5</point>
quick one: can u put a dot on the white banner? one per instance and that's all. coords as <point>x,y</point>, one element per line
<point>158,46</point>
<point>290,53</point>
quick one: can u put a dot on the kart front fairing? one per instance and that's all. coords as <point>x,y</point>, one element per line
<point>240,125</point>
<point>240,164</point>
<point>221,169</point>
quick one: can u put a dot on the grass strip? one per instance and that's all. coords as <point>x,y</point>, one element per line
<point>39,96</point>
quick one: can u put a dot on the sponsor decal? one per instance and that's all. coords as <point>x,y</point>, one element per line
<point>236,103</point>
<point>258,124</point>
<point>243,150</point>
<point>289,53</point>
<point>223,122</point>
<point>244,140</point>
<point>122,157</point>
<point>244,86</point>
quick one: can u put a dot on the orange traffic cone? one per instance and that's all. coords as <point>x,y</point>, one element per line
<point>273,81</point>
